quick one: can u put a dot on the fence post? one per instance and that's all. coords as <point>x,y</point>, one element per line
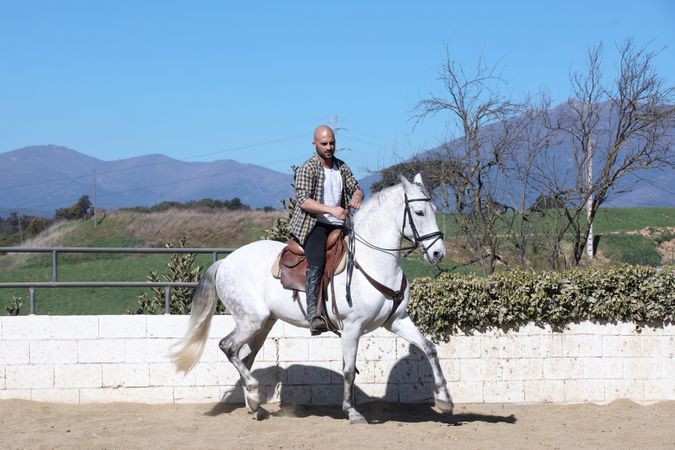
<point>55,273</point>
<point>167,300</point>
<point>215,257</point>
<point>31,300</point>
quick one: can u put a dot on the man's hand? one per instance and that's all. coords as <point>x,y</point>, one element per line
<point>356,200</point>
<point>339,213</point>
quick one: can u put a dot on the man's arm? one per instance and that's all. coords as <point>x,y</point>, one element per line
<point>313,207</point>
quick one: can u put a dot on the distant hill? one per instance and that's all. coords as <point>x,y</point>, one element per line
<point>645,188</point>
<point>42,178</point>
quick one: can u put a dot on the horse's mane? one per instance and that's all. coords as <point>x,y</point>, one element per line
<point>375,201</point>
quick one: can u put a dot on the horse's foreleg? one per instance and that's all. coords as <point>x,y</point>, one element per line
<point>231,345</point>
<point>350,345</point>
<point>405,328</point>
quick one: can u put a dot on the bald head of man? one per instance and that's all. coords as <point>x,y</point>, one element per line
<point>324,143</point>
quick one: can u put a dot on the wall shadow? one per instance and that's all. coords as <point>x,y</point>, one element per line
<point>306,391</point>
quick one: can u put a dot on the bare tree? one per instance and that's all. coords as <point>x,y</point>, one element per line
<point>623,127</point>
<point>473,169</point>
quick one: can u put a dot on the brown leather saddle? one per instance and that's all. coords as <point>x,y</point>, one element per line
<point>291,264</point>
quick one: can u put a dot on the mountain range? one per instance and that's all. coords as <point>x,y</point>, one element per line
<point>42,178</point>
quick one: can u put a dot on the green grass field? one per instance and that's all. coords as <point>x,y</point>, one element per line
<point>122,231</point>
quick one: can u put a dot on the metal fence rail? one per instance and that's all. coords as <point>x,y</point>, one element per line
<point>54,283</point>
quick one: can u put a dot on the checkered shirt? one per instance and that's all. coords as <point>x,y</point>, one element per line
<point>309,184</point>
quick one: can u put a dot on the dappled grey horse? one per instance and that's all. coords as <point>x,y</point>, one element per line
<point>256,300</point>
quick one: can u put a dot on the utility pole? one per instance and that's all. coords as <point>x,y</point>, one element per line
<point>589,202</point>
<point>94,180</point>
<point>18,219</point>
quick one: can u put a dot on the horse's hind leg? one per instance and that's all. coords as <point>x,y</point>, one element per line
<point>231,345</point>
<point>405,328</point>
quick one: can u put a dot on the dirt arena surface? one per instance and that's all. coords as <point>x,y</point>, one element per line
<point>621,424</point>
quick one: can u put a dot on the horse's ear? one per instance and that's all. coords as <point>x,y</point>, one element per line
<point>404,181</point>
<point>418,179</point>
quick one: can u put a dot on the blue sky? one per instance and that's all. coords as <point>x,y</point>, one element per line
<point>249,81</point>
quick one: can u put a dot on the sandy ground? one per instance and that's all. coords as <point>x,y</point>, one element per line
<point>621,424</point>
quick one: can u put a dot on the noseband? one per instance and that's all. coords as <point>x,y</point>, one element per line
<point>417,240</point>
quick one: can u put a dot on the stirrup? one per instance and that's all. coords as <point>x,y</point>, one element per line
<point>317,326</point>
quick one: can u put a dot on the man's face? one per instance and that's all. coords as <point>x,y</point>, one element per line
<point>324,143</point>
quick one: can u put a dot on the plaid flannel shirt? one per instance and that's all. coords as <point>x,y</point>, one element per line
<point>309,184</point>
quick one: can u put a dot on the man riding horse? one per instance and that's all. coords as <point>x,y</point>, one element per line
<point>324,188</point>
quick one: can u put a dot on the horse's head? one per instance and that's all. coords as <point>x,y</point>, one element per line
<point>419,220</point>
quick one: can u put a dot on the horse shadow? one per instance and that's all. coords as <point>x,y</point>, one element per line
<point>311,391</point>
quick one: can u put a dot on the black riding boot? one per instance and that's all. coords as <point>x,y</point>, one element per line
<point>312,285</point>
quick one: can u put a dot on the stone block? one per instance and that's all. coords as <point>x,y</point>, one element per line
<point>326,349</point>
<point>26,328</point>
<point>561,369</point>
<point>15,352</point>
<point>215,374</point>
<point>643,368</point>
<point>598,368</point>
<point>212,352</point>
<point>2,377</point>
<point>294,395</point>
<point>451,369</point>
<point>15,394</point>
<point>221,326</point>
<point>146,350</point>
<point>522,369</point>
<point>584,390</point>
<point>460,347</point>
<point>416,392</point>
<point>382,333</point>
<point>269,351</point>
<point>196,394</point>
<point>166,326</point>
<point>669,368</point>
<point>552,345</point>
<point>268,374</point>
<point>403,371</point>
<point>291,331</point>
<point>654,346</point>
<point>70,396</point>
<point>294,349</point>
<point>406,350</point>
<point>627,346</point>
<point>77,376</point>
<point>164,374</point>
<point>585,345</point>
<point>101,351</point>
<point>367,392</point>
<point>127,326</point>
<point>123,375</point>
<point>466,391</point>
<point>544,391</point>
<point>312,373</point>
<point>376,349</point>
<point>483,369</point>
<point>75,327</point>
<point>629,389</point>
<point>659,390</point>
<point>503,391</point>
<point>326,394</point>
<point>34,376</point>
<point>50,352</point>
<point>277,330</point>
<point>498,346</point>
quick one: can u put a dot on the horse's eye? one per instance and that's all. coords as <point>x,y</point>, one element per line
<point>419,213</point>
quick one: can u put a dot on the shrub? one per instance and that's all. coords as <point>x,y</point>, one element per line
<point>450,303</point>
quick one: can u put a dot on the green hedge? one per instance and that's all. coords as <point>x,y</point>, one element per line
<point>449,303</point>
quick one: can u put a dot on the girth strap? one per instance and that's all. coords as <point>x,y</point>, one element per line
<point>396,296</point>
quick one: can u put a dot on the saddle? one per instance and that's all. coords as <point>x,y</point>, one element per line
<point>291,265</point>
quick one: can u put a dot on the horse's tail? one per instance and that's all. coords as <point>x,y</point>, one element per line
<point>186,352</point>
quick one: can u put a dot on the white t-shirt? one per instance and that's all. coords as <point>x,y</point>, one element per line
<point>332,193</point>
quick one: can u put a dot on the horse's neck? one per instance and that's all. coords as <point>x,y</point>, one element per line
<point>379,228</point>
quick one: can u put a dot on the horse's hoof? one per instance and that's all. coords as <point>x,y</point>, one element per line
<point>444,407</point>
<point>261,414</point>
<point>356,418</point>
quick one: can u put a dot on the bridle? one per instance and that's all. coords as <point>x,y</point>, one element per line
<point>415,242</point>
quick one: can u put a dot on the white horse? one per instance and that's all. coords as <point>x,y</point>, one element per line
<point>256,300</point>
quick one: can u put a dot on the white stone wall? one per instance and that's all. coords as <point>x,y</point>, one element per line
<point>83,359</point>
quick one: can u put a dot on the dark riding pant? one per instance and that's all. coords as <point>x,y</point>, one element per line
<point>315,245</point>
